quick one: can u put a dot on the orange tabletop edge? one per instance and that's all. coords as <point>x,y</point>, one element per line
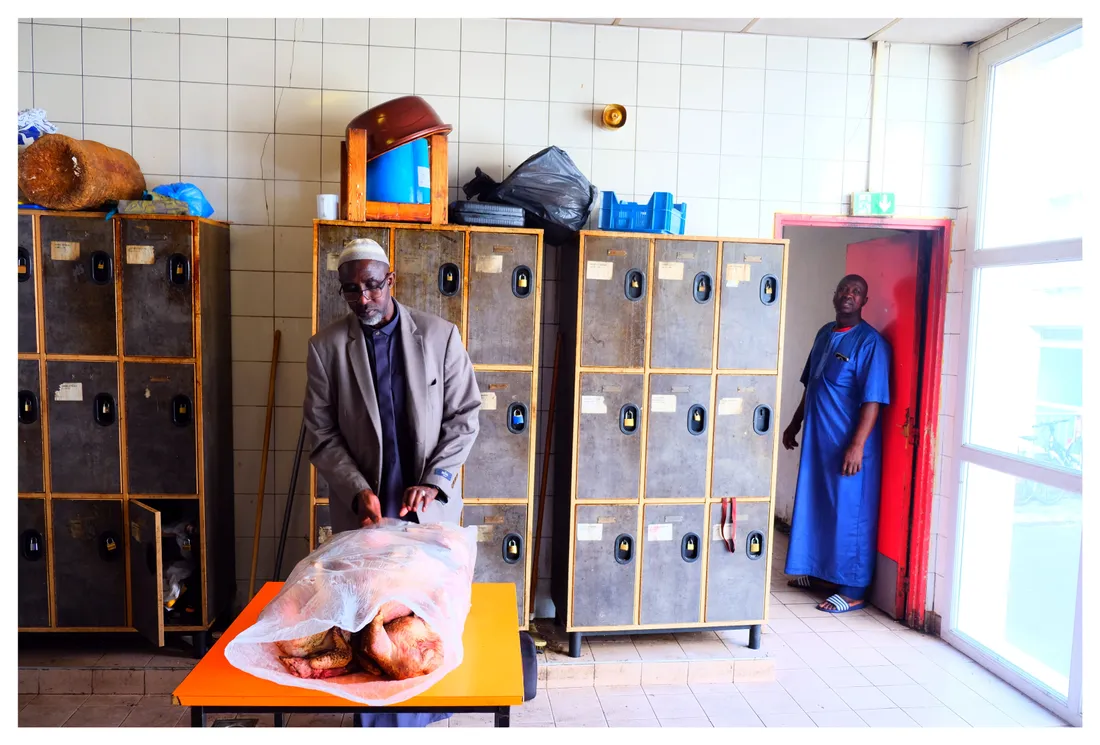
<point>491,673</point>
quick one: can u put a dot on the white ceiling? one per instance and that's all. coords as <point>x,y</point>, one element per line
<point>911,30</point>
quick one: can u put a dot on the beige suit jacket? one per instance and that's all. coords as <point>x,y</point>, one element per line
<point>341,412</point>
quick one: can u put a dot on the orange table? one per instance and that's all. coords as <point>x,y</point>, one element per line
<point>489,680</point>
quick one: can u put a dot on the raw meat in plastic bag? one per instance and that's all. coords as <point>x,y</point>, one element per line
<point>346,584</point>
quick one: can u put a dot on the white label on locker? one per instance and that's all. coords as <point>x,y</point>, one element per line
<point>737,273</point>
<point>721,531</point>
<point>69,392</point>
<point>729,406</point>
<point>589,532</point>
<point>140,255</point>
<point>64,250</point>
<point>600,270</point>
<point>673,270</point>
<point>662,404</point>
<point>484,533</point>
<point>491,264</point>
<point>332,262</point>
<point>135,531</point>
<point>593,405</point>
<point>659,532</point>
<point>424,177</point>
<point>489,401</point>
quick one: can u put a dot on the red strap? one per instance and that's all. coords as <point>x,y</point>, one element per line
<point>731,504</point>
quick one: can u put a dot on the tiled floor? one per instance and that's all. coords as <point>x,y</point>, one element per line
<point>858,669</point>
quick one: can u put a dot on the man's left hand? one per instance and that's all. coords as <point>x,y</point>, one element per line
<point>417,498</point>
<point>853,460</point>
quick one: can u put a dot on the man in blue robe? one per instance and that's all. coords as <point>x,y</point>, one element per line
<point>834,528</point>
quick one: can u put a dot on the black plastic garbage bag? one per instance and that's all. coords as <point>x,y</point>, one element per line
<point>548,186</point>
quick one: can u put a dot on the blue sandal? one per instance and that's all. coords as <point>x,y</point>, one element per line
<point>840,605</point>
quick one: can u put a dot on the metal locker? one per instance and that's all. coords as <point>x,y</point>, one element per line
<point>748,326</point>
<point>498,466</point>
<point>677,435</point>
<point>672,566</point>
<point>682,325</point>
<point>501,547</point>
<point>605,544</point>
<point>28,329</point>
<point>331,240</point>
<point>613,303</point>
<point>78,285</point>
<point>89,562</point>
<point>609,452</point>
<point>736,582</point>
<point>503,275</point>
<point>157,301</point>
<point>431,271</point>
<point>33,594</point>
<point>30,429</point>
<point>146,572</point>
<point>322,524</point>
<point>160,428</point>
<point>83,427</point>
<point>744,436</point>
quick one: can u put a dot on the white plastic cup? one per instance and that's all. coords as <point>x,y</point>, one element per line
<point>326,206</point>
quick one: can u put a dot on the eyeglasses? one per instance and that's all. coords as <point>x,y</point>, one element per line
<point>354,292</point>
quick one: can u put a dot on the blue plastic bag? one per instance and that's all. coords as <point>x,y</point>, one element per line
<point>190,194</point>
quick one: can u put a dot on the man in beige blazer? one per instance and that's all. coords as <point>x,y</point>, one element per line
<point>391,403</point>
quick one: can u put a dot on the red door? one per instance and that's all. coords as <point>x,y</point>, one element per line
<point>890,266</point>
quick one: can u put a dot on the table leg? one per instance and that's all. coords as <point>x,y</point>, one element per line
<point>502,717</point>
<point>279,719</point>
<point>198,716</point>
<point>754,637</point>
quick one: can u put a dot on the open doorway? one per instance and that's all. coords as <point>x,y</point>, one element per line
<point>905,263</point>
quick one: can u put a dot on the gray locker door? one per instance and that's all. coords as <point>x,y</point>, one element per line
<point>501,546</point>
<point>78,310</point>
<point>28,268</point>
<point>672,563</point>
<point>609,459</point>
<point>157,285</point>
<point>603,567</point>
<point>84,446</point>
<point>146,572</point>
<point>30,429</point>
<point>322,524</point>
<point>331,240</point>
<point>33,594</point>
<point>745,428</point>
<point>684,294</point>
<point>613,325</point>
<point>89,562</point>
<point>160,428</point>
<point>748,325</point>
<point>504,271</point>
<point>736,582</point>
<point>498,464</point>
<point>677,433</point>
<point>431,271</point>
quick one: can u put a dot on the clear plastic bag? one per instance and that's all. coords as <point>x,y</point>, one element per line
<point>428,568</point>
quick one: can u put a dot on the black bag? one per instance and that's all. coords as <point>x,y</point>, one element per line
<point>555,194</point>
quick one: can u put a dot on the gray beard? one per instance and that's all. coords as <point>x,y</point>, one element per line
<point>372,318</point>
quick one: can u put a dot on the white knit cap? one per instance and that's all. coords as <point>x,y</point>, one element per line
<point>362,249</point>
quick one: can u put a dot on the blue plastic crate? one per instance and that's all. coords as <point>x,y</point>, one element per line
<point>659,215</point>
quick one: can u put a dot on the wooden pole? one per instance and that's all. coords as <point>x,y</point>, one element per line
<point>263,465</point>
<point>545,471</point>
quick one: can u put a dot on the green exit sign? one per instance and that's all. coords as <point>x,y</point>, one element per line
<point>873,203</point>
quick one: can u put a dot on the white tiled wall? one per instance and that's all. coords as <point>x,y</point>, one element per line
<point>252,111</point>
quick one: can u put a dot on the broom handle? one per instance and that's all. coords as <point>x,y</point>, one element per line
<point>263,465</point>
<point>545,472</point>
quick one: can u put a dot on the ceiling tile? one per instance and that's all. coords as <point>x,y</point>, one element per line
<point>820,28</point>
<point>689,24</point>
<point>943,30</point>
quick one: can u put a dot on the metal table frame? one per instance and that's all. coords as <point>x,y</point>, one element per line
<point>502,715</point>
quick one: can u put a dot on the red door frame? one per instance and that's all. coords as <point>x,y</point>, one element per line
<point>920,530</point>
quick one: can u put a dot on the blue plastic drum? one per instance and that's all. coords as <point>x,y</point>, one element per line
<point>402,175</point>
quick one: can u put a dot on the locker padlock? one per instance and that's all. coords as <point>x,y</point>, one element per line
<point>24,265</point>
<point>102,267</point>
<point>179,269</point>
<point>449,280</point>
<point>628,419</point>
<point>635,285</point>
<point>517,418</point>
<point>689,547</point>
<point>31,544</point>
<point>28,407</point>
<point>104,412</point>
<point>762,419</point>
<point>181,411</point>
<point>624,549</point>
<point>512,548</point>
<point>697,420</point>
<point>521,282</point>
<point>755,544</point>
<point>108,546</point>
<point>702,288</point>
<point>769,289</point>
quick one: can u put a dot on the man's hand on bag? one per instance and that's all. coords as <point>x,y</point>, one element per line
<point>368,508</point>
<point>417,498</point>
